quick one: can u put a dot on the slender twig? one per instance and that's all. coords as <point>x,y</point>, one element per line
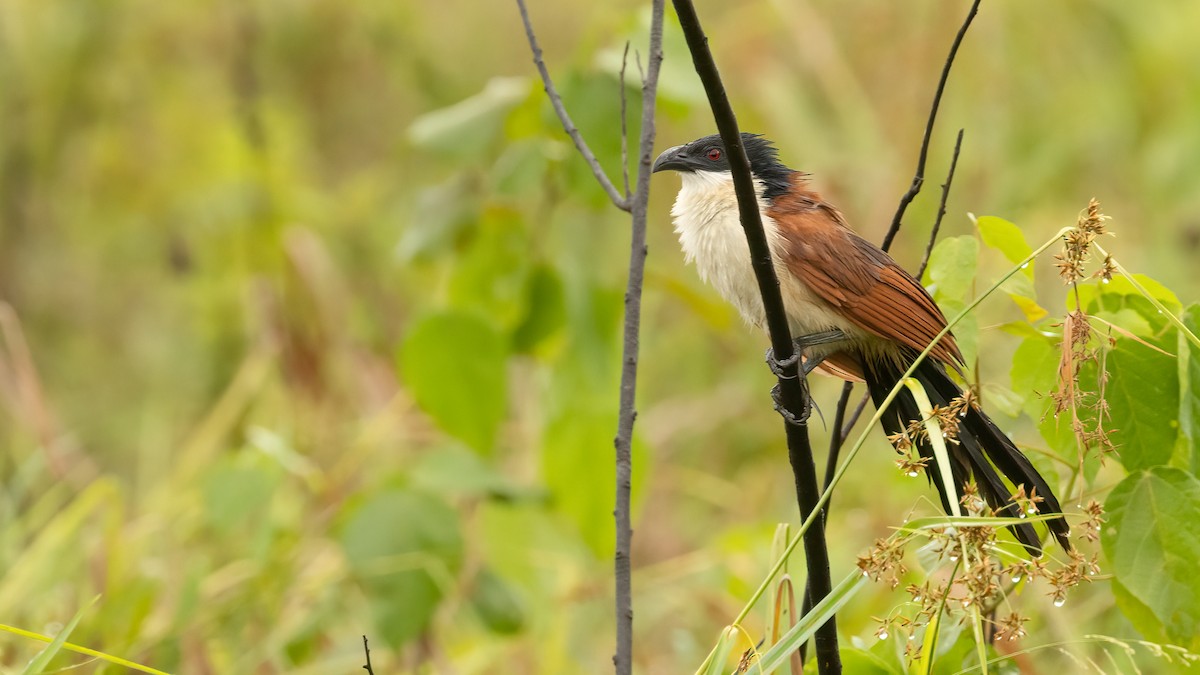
<point>623,659</point>
<point>637,205</point>
<point>624,123</point>
<point>919,176</point>
<point>849,426</point>
<point>569,126</point>
<point>791,384</point>
<point>367,651</point>
<point>937,224</point>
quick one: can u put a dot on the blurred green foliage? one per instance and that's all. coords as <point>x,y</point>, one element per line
<point>311,316</point>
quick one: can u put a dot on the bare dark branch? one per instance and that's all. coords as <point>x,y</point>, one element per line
<point>367,650</point>
<point>624,124</point>
<point>919,176</point>
<point>791,385</point>
<point>623,659</point>
<point>937,224</point>
<point>569,126</point>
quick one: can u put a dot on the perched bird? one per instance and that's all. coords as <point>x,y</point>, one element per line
<point>835,283</point>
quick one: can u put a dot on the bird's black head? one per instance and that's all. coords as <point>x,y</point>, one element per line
<point>708,154</point>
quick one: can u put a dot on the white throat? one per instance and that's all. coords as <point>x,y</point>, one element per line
<point>710,232</point>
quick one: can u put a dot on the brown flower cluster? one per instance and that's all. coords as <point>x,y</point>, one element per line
<point>916,433</point>
<point>1078,243</point>
<point>1080,343</point>
<point>980,580</point>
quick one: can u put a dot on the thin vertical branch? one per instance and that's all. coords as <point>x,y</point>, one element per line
<point>937,224</point>
<point>623,659</point>
<point>919,176</point>
<point>791,384</point>
<point>561,110</point>
<point>637,205</point>
<point>624,122</point>
<point>367,651</point>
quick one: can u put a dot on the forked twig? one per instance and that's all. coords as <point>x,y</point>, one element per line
<point>569,126</point>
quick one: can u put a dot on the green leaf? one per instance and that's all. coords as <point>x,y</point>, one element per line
<point>1035,373</point>
<point>966,331</point>
<point>489,277</point>
<point>497,604</point>
<point>720,654</point>
<point>545,310</point>
<point>236,490</point>
<point>952,267</point>
<point>807,626</point>
<point>468,129</point>
<point>1152,539</point>
<point>455,470</point>
<point>404,548</point>
<point>1189,389</point>
<point>442,214</point>
<point>578,467</point>
<point>1007,238</point>
<point>454,364</point>
<point>1120,286</point>
<point>1143,401</point>
<point>859,661</point>
<point>1021,291</point>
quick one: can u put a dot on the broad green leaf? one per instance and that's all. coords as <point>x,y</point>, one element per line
<point>454,364</point>
<point>1021,291</point>
<point>1121,286</point>
<point>237,490</point>
<point>468,129</point>
<point>1189,390</point>
<point>489,277</point>
<point>952,267</point>
<point>1152,540</point>
<point>1138,614</point>
<point>1007,238</point>
<point>1143,399</point>
<point>578,465</point>
<point>857,661</point>
<point>442,213</point>
<point>1035,373</point>
<point>545,309</point>
<point>404,548</point>
<point>496,603</point>
<point>522,167</point>
<point>966,331</point>
<point>455,470</point>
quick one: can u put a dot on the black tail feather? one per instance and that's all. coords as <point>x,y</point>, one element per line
<point>982,448</point>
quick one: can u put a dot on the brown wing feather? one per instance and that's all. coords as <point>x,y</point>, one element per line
<point>855,277</point>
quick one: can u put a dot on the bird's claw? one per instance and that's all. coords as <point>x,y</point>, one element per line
<point>788,416</point>
<point>780,367</point>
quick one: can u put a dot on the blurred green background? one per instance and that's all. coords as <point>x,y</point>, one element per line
<point>311,313</point>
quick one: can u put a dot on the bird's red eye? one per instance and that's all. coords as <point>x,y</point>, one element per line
<point>713,153</point>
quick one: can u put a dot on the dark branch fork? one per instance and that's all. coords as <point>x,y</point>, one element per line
<point>620,202</point>
<point>637,205</point>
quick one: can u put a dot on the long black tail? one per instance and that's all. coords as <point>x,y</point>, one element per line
<point>982,448</point>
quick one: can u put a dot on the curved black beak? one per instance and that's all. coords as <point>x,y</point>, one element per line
<point>672,159</point>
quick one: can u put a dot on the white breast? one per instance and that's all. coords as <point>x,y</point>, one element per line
<point>706,219</point>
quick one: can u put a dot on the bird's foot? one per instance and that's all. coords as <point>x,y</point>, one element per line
<point>780,366</point>
<point>798,420</point>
